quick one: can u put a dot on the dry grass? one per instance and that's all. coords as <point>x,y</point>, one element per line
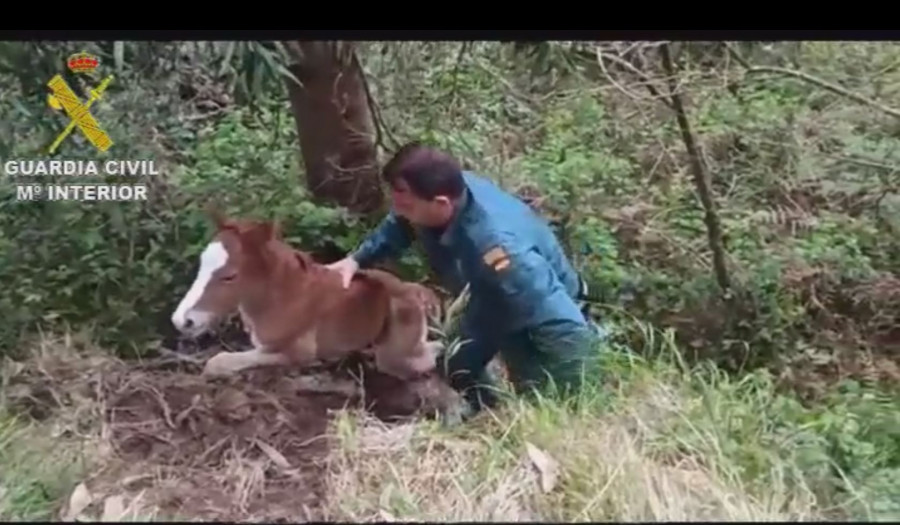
<point>37,468</point>
<point>545,463</point>
<point>660,445</point>
<point>54,436</point>
<point>153,439</point>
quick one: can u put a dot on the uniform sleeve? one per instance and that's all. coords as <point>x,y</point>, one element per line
<point>388,240</point>
<point>522,280</point>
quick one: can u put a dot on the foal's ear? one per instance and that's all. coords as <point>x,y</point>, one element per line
<point>304,259</point>
<point>261,233</point>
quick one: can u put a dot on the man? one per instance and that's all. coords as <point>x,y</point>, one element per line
<point>523,290</point>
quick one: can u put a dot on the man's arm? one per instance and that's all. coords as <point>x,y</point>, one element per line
<point>388,240</point>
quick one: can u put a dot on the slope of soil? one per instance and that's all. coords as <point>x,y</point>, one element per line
<point>179,446</point>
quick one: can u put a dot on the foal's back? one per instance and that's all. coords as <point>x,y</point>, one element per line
<point>348,319</point>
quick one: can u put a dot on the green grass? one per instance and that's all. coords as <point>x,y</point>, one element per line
<point>37,470</point>
<point>665,443</point>
<point>654,439</point>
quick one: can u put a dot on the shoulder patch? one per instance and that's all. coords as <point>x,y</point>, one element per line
<point>497,258</point>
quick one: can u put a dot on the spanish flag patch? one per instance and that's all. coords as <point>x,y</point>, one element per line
<point>497,259</point>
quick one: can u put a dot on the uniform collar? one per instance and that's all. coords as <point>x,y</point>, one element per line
<point>449,236</point>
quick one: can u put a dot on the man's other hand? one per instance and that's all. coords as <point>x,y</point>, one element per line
<point>347,267</point>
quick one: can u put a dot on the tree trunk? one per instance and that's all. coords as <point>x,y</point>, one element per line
<point>701,178</point>
<point>335,125</point>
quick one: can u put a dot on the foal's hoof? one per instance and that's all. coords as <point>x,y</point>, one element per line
<point>217,366</point>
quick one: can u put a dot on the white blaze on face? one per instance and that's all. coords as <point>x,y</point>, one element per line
<point>186,318</point>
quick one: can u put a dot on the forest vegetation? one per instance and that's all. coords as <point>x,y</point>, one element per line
<point>734,206</point>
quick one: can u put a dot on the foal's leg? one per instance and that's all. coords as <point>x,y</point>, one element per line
<point>228,363</point>
<point>301,351</point>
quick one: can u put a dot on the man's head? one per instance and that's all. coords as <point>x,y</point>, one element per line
<point>425,184</point>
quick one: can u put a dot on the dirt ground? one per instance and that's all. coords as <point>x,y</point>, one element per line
<point>246,448</point>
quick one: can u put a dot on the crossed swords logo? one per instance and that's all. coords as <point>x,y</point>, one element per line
<point>64,98</point>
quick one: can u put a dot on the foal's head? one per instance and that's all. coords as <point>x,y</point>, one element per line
<point>228,266</point>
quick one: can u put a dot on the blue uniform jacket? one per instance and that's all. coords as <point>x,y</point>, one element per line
<point>518,273</point>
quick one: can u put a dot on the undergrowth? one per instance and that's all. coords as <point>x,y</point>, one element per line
<point>652,439</point>
<point>662,441</point>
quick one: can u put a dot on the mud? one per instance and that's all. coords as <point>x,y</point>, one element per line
<point>252,447</point>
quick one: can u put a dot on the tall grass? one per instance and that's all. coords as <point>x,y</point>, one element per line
<point>660,442</point>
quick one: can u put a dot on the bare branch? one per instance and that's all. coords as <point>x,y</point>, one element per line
<point>816,81</point>
<point>701,178</point>
<point>643,76</point>
<point>459,57</point>
<point>834,88</point>
<point>737,56</point>
<point>861,161</point>
<point>381,129</point>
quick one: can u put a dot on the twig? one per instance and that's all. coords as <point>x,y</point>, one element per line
<point>862,162</point>
<point>525,102</point>
<point>656,164</point>
<point>834,88</point>
<point>824,84</point>
<point>612,81</point>
<point>627,65</point>
<point>210,450</point>
<point>169,356</point>
<point>453,89</point>
<point>701,178</point>
<point>381,129</point>
<point>167,411</point>
<point>887,190</point>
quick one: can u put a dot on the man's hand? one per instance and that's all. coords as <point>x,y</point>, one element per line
<point>347,267</point>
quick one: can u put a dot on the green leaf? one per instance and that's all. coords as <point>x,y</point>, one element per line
<point>286,72</point>
<point>21,107</point>
<point>277,63</point>
<point>117,220</point>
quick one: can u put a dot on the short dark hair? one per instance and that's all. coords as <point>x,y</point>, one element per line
<point>428,171</point>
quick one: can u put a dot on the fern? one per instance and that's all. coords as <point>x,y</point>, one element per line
<point>792,220</point>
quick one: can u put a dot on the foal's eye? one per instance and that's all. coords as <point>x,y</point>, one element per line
<point>229,278</point>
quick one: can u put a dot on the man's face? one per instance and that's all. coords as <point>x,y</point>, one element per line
<point>435,212</point>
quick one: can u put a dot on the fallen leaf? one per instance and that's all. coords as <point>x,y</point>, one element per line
<point>78,501</point>
<point>113,508</point>
<point>547,467</point>
<point>276,457</point>
<point>131,481</point>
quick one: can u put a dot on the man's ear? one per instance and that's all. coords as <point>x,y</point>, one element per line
<point>444,200</point>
